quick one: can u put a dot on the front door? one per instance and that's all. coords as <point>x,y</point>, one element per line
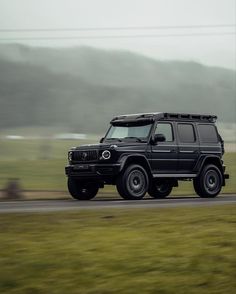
<point>164,157</point>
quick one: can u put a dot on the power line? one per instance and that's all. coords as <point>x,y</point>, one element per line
<point>117,28</point>
<point>117,36</point>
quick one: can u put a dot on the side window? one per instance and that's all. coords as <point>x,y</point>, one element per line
<point>166,130</point>
<point>207,133</point>
<point>186,133</point>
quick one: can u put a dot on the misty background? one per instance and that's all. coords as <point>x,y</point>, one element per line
<point>83,88</point>
<point>73,65</point>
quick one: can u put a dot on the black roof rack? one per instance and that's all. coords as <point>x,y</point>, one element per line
<point>150,117</point>
<point>190,116</point>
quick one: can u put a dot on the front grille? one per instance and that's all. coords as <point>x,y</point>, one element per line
<point>86,155</point>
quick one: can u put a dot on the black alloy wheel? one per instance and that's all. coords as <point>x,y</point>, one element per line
<point>133,183</point>
<point>209,183</point>
<point>160,189</point>
<point>82,190</point>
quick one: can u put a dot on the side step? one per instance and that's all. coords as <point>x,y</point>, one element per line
<point>174,175</point>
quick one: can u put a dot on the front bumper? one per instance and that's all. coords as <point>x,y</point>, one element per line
<point>98,171</point>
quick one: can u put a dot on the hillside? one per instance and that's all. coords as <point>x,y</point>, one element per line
<point>82,88</point>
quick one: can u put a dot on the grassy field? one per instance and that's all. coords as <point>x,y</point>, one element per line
<point>40,165</point>
<point>174,250</point>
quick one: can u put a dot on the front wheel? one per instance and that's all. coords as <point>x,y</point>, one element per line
<point>209,183</point>
<point>82,190</point>
<point>160,190</point>
<point>133,183</point>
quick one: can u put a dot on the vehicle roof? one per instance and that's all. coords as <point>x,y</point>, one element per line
<point>153,116</point>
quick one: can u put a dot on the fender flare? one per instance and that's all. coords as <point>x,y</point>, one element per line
<point>135,159</point>
<point>214,159</point>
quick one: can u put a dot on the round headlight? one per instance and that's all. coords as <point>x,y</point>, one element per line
<point>70,154</point>
<point>106,154</point>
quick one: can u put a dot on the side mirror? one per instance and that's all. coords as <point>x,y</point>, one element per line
<point>159,138</point>
<point>101,140</point>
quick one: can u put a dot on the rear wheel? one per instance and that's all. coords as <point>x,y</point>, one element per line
<point>209,183</point>
<point>82,190</point>
<point>133,183</point>
<point>160,189</point>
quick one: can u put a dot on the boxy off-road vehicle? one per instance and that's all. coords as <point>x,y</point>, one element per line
<point>150,153</point>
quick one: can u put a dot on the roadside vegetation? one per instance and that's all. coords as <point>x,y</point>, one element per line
<point>174,250</point>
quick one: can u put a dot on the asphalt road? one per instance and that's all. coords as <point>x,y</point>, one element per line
<point>62,205</point>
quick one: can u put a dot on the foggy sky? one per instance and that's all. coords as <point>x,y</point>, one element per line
<point>46,14</point>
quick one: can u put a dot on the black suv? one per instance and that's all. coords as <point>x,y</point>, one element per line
<point>150,152</point>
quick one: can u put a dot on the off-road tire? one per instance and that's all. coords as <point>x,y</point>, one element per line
<point>82,190</point>
<point>209,183</point>
<point>160,190</point>
<point>133,183</point>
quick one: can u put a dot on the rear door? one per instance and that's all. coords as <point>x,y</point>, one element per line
<point>188,146</point>
<point>164,156</point>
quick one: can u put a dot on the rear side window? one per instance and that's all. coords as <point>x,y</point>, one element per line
<point>207,133</point>
<point>186,133</point>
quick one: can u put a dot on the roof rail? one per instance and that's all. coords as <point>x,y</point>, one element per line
<point>187,116</point>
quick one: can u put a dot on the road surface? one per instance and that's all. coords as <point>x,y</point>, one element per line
<point>62,205</point>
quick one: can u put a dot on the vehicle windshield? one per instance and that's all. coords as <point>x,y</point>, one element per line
<point>136,132</point>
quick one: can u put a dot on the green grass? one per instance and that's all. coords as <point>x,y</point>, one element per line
<point>12,150</point>
<point>35,174</point>
<point>25,159</point>
<point>175,250</point>
<point>39,164</point>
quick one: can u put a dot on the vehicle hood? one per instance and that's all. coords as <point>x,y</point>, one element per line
<point>115,145</point>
